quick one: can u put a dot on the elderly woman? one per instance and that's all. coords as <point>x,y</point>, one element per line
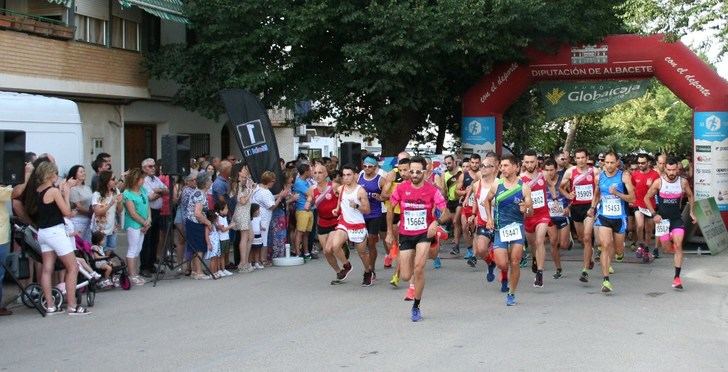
<point>80,198</point>
<point>182,194</point>
<point>268,204</point>
<point>196,221</point>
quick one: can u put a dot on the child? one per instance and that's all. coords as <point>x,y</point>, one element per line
<point>256,247</point>
<point>213,244</point>
<point>98,240</point>
<point>223,230</point>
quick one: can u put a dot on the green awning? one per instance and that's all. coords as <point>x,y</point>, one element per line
<point>170,10</point>
<point>66,3</point>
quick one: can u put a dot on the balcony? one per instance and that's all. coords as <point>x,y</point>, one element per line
<point>33,24</point>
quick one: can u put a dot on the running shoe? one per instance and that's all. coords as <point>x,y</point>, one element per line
<point>367,281</point>
<point>510,299</point>
<point>584,278</point>
<point>606,286</point>
<point>455,250</point>
<point>633,246</point>
<point>504,286</point>
<point>395,280</point>
<point>558,274</point>
<point>410,296</point>
<point>307,257</point>
<point>677,283</point>
<point>611,269</point>
<point>534,267</point>
<point>416,314</point>
<point>591,265</point>
<point>538,282</point>
<point>524,260</point>
<point>472,261</point>
<point>468,253</point>
<point>490,276</point>
<point>619,257</point>
<point>387,261</point>
<point>374,276</point>
<point>640,251</point>
<point>656,253</point>
<point>436,263</point>
<point>344,273</point>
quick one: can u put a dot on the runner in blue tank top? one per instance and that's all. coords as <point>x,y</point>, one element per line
<point>373,183</point>
<point>512,202</point>
<point>614,191</point>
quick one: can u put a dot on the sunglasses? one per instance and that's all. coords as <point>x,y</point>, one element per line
<point>487,166</point>
<point>369,166</point>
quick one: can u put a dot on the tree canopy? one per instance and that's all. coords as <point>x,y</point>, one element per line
<point>385,68</point>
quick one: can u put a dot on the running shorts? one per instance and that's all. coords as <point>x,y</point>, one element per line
<point>618,225</point>
<point>410,242</point>
<point>530,223</point>
<point>579,211</point>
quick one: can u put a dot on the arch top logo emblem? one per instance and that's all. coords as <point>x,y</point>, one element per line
<point>712,123</point>
<point>474,128</point>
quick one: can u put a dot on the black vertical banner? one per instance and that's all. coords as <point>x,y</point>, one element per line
<point>253,132</point>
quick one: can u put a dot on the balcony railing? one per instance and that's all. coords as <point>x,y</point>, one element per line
<point>34,24</point>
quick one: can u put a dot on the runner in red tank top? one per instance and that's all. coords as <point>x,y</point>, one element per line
<point>578,186</point>
<point>642,179</point>
<point>538,222</point>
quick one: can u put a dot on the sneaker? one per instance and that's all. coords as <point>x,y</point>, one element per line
<point>416,314</point>
<point>246,269</point>
<point>677,283</point>
<point>455,250</point>
<point>410,296</point>
<point>538,282</point>
<point>619,257</point>
<point>395,280</point>
<point>387,261</point>
<point>78,310</point>
<point>220,274</point>
<point>367,281</point>
<point>584,278</point>
<point>436,263</point>
<point>524,260</point>
<point>307,257</point>
<point>640,251</point>
<point>468,253</point>
<point>227,273</point>
<point>510,299</point>
<point>472,261</point>
<point>558,274</point>
<point>656,253</point>
<point>52,310</point>
<point>606,286</point>
<point>611,269</point>
<point>597,254</point>
<point>591,265</point>
<point>504,286</point>
<point>490,276</point>
<point>534,267</point>
<point>374,277</point>
<point>137,280</point>
<point>259,266</point>
<point>345,271</point>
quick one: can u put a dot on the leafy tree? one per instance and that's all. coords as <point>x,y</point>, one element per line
<point>384,68</point>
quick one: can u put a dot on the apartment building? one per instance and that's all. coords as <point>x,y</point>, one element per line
<point>91,52</point>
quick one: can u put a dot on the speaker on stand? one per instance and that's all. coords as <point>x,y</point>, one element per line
<point>176,154</point>
<point>350,153</point>
<point>12,157</point>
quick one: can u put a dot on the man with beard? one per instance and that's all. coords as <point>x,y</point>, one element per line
<point>373,183</point>
<point>417,200</point>
<point>463,190</point>
<point>539,222</point>
<point>480,217</point>
<point>642,179</point>
<point>560,236</point>
<point>670,227</point>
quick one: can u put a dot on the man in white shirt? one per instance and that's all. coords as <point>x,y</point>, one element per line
<point>155,190</point>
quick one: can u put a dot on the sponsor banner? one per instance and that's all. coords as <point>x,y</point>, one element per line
<point>711,157</point>
<point>711,225</point>
<point>478,134</point>
<point>563,98</point>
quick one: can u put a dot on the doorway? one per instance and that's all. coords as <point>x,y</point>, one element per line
<point>140,142</point>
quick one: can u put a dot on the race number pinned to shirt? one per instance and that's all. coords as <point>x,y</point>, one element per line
<point>538,198</point>
<point>584,192</point>
<point>415,220</point>
<point>556,209</point>
<point>510,232</point>
<point>645,211</point>
<point>662,228</point>
<point>470,201</point>
<point>612,207</point>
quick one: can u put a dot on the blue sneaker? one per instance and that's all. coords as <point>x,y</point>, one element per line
<point>504,286</point>
<point>436,263</point>
<point>510,299</point>
<point>416,315</point>
<point>489,276</point>
<point>469,253</point>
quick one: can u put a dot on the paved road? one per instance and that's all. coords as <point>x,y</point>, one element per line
<point>292,319</point>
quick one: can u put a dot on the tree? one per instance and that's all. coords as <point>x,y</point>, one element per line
<point>384,68</point>
<point>679,17</point>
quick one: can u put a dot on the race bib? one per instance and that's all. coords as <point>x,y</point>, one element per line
<point>556,209</point>
<point>645,211</point>
<point>538,198</point>
<point>612,207</point>
<point>470,201</point>
<point>510,232</point>
<point>584,192</point>
<point>415,220</point>
<point>662,228</point>
<point>357,236</point>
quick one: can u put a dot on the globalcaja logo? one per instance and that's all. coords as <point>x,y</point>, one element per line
<point>554,96</point>
<point>599,94</point>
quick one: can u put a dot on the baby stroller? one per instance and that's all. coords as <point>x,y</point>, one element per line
<point>119,273</point>
<point>25,236</point>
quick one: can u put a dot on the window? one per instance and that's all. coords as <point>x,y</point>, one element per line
<point>199,144</point>
<point>91,30</point>
<point>124,34</point>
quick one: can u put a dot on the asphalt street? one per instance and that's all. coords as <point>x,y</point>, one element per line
<point>283,319</point>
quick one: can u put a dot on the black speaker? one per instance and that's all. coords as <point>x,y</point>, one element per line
<point>350,153</point>
<point>12,157</point>
<point>176,154</point>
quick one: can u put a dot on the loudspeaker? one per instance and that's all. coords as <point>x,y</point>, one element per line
<point>12,157</point>
<point>350,153</point>
<point>176,154</point>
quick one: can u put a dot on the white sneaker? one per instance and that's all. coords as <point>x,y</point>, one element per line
<point>227,273</point>
<point>137,280</point>
<point>259,266</point>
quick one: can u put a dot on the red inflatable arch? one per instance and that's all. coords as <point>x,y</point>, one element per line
<point>616,57</point>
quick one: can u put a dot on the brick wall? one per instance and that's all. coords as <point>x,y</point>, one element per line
<point>29,55</point>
